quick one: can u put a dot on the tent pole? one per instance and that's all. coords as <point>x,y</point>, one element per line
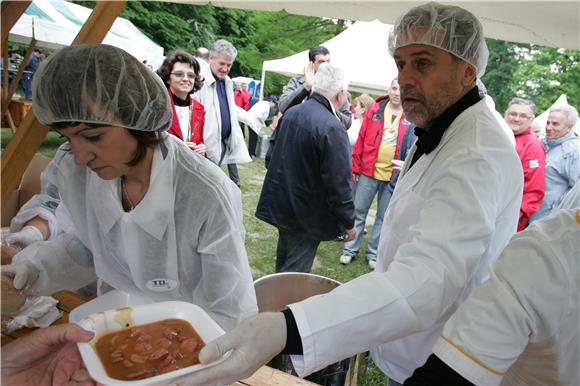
<point>262,80</point>
<point>29,136</point>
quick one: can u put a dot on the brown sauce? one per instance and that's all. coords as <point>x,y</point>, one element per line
<point>147,350</point>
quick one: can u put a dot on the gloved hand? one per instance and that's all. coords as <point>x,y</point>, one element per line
<point>21,274</point>
<point>254,342</point>
<point>23,238</point>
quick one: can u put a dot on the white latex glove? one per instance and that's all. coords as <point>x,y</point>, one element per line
<point>23,238</point>
<point>21,274</point>
<point>254,342</point>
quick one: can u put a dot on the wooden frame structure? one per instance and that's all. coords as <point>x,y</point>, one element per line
<point>30,133</point>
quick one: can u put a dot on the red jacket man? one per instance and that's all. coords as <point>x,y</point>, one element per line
<point>532,153</point>
<point>378,144</point>
<point>241,97</point>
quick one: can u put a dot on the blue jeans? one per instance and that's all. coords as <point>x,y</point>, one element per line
<point>366,189</point>
<point>27,85</point>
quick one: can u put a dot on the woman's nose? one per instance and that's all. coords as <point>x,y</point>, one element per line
<point>82,154</point>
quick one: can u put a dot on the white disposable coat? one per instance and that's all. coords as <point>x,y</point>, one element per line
<point>451,214</point>
<point>256,116</point>
<point>522,326</point>
<point>183,241</point>
<point>236,151</point>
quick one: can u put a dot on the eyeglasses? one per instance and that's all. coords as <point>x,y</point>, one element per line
<point>513,114</point>
<point>181,74</point>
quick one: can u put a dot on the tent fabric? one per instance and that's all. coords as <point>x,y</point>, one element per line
<point>547,23</point>
<point>361,52</point>
<point>55,24</point>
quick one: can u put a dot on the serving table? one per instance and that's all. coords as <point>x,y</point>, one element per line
<point>67,301</point>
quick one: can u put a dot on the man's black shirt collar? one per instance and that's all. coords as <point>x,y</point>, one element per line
<point>428,140</point>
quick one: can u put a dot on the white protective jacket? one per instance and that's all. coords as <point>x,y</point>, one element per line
<point>236,151</point>
<point>522,326</point>
<point>183,241</point>
<point>450,216</point>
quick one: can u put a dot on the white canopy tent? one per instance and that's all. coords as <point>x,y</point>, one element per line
<point>55,23</point>
<point>548,23</point>
<point>360,50</point>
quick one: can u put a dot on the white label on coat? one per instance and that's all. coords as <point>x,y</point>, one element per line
<point>534,163</point>
<point>162,285</point>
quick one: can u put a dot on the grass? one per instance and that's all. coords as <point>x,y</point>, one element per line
<point>261,239</point>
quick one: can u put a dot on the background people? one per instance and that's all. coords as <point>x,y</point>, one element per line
<point>359,105</point>
<point>300,87</point>
<point>223,136</point>
<point>181,72</point>
<point>519,116</point>
<point>378,144</point>
<point>138,210</point>
<point>30,70</point>
<point>562,159</point>
<point>306,194</point>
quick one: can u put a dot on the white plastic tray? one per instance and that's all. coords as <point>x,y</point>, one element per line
<point>108,301</point>
<point>108,321</point>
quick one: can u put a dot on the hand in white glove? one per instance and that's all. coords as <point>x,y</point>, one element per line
<point>21,274</point>
<point>254,342</point>
<point>23,238</point>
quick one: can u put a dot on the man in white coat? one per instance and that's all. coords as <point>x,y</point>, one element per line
<point>453,211</point>
<point>223,136</point>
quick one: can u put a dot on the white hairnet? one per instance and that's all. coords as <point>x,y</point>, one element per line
<point>100,84</point>
<point>447,27</point>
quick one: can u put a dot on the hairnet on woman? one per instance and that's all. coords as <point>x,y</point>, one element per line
<point>138,209</point>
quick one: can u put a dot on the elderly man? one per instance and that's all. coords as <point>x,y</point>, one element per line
<point>563,159</point>
<point>306,194</point>
<point>223,136</point>
<point>519,116</point>
<point>454,210</point>
<point>299,87</point>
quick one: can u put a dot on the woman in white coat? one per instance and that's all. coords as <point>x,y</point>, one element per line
<point>138,210</point>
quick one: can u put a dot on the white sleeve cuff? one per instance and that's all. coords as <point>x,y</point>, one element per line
<point>465,364</point>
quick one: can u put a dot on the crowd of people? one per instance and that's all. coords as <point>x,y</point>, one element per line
<point>136,200</point>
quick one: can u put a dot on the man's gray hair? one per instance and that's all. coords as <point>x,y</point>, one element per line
<point>525,102</point>
<point>222,46</point>
<point>329,80</point>
<point>570,111</point>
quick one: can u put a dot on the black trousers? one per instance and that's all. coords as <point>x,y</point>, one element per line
<point>233,172</point>
<point>295,252</point>
<point>253,142</point>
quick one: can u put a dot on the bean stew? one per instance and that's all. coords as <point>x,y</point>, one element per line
<point>151,349</point>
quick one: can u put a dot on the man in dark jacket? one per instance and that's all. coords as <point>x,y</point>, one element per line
<point>299,87</point>
<point>306,193</point>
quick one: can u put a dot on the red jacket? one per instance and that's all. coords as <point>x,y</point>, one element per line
<point>366,148</point>
<point>197,121</point>
<point>533,156</point>
<point>242,99</point>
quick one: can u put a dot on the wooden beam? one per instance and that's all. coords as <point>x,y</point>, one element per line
<point>29,136</point>
<point>10,13</point>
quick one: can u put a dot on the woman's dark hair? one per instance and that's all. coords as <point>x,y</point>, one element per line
<point>180,56</point>
<point>144,139</point>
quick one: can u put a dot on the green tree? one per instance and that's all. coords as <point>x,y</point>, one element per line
<point>498,77</point>
<point>545,73</point>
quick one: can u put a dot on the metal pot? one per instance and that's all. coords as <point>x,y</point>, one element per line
<point>274,292</point>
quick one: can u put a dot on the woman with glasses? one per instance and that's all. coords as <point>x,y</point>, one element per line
<point>180,72</point>
<point>137,209</point>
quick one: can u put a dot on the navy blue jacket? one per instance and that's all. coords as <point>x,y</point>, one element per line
<point>306,189</point>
